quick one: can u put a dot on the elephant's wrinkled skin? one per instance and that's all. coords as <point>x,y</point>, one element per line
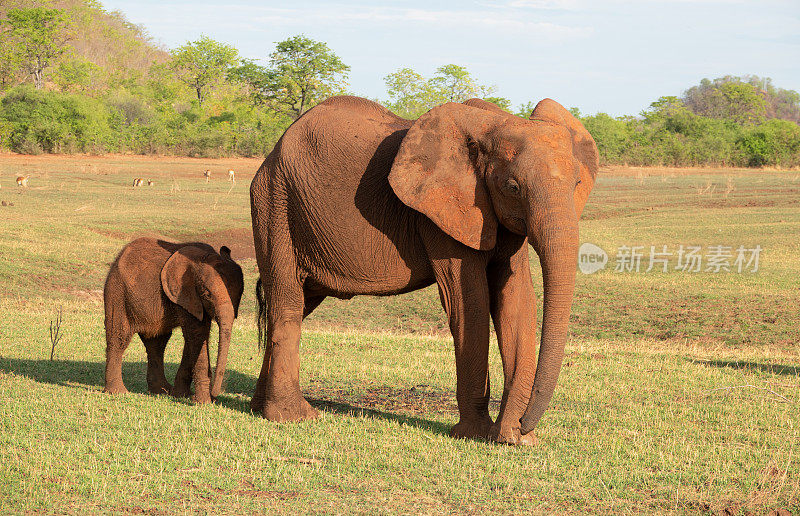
<point>355,200</point>
<point>155,286</point>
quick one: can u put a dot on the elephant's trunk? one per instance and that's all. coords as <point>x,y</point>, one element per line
<point>557,247</point>
<point>225,316</point>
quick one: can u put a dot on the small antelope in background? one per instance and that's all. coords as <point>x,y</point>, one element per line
<point>137,181</point>
<point>207,175</point>
<point>231,176</point>
<point>150,182</point>
<point>22,181</point>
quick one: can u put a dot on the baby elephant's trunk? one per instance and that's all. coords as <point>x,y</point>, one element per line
<point>225,323</point>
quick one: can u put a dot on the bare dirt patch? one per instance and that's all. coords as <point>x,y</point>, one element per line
<point>239,241</point>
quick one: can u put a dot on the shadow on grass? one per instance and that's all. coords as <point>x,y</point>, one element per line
<point>342,408</point>
<point>780,369</point>
<point>238,388</point>
<point>92,374</point>
<point>345,409</point>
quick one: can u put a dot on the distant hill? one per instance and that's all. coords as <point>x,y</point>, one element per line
<point>121,52</point>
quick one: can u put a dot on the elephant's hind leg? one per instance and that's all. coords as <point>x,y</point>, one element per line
<point>156,380</point>
<point>277,396</point>
<point>118,336</point>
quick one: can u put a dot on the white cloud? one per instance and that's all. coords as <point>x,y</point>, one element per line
<point>545,4</point>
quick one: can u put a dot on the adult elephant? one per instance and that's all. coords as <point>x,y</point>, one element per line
<point>356,200</point>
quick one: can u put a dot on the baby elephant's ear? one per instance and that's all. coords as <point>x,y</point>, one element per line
<point>180,282</point>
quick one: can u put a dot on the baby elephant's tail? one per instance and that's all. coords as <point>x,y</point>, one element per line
<point>262,315</point>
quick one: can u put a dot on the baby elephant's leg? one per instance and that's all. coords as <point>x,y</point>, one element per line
<point>156,380</point>
<point>202,375</point>
<point>195,354</point>
<point>117,340</point>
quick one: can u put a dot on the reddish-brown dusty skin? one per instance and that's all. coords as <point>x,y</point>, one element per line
<point>355,200</point>
<point>155,286</point>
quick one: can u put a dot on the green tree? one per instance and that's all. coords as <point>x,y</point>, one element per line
<point>38,36</point>
<point>302,73</point>
<point>745,102</point>
<point>411,95</point>
<point>453,83</point>
<point>76,75</point>
<point>255,78</point>
<point>740,102</point>
<point>776,142</point>
<point>202,64</point>
<point>9,65</point>
<point>525,110</point>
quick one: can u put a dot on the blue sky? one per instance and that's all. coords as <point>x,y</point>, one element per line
<point>613,56</point>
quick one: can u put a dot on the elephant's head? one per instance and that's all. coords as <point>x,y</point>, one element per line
<point>206,284</point>
<point>471,167</point>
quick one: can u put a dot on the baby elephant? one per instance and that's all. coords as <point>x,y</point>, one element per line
<point>155,286</point>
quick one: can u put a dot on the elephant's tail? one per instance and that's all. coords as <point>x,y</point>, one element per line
<point>262,315</point>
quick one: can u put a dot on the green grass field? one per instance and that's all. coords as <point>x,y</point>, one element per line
<point>679,394</point>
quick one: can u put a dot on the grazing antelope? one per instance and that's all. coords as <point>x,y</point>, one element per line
<point>22,181</point>
<point>137,181</point>
<point>150,182</point>
<point>207,175</point>
<point>231,176</point>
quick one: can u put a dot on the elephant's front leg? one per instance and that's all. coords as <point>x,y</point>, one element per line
<point>514,316</point>
<point>201,374</point>
<point>195,335</point>
<point>465,297</point>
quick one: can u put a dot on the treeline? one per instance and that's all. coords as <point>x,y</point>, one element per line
<point>75,78</point>
<point>731,121</point>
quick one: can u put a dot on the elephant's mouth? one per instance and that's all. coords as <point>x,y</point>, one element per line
<point>516,225</point>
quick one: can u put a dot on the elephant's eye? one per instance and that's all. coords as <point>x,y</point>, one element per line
<point>577,182</point>
<point>511,187</point>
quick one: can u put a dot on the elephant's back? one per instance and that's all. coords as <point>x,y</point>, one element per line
<point>349,230</point>
<point>134,283</point>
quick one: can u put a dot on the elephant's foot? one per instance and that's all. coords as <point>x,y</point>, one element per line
<point>202,393</point>
<point>288,409</point>
<point>257,404</point>
<point>180,391</point>
<point>202,397</point>
<point>506,434</point>
<point>115,388</point>
<point>160,388</point>
<point>472,429</point>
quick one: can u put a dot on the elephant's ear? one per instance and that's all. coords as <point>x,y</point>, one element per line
<point>179,279</point>
<point>435,173</point>
<point>583,146</point>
